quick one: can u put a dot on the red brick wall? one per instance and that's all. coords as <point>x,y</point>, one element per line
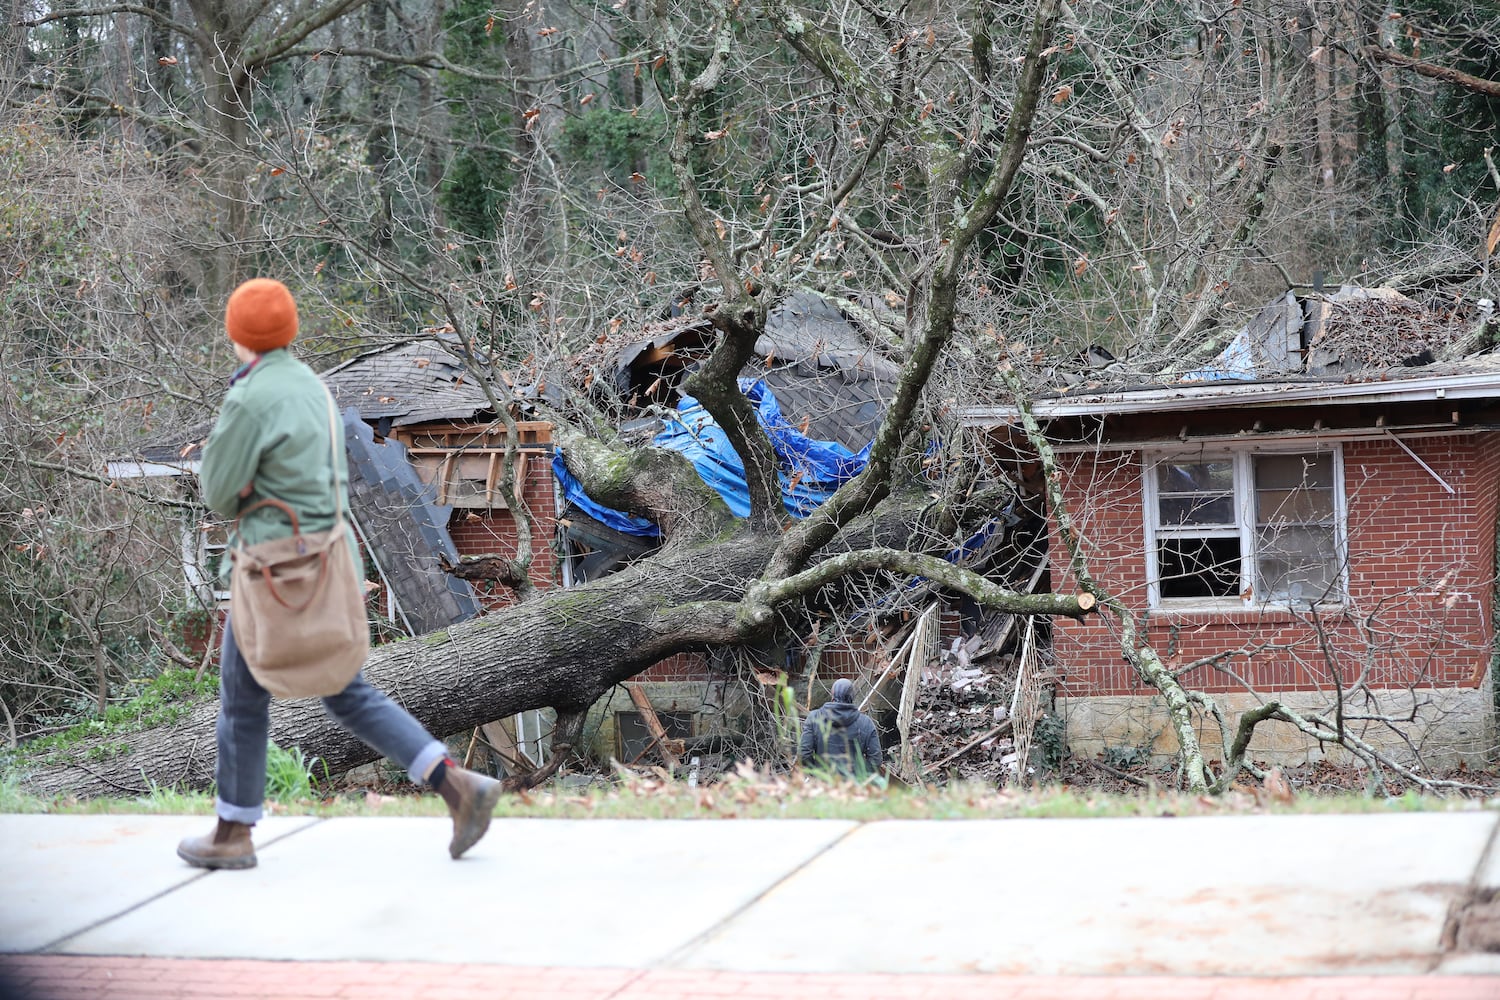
<point>682,667</point>
<point>483,532</point>
<point>1421,566</point>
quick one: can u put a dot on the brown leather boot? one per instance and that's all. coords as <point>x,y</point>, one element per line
<point>228,846</point>
<point>471,801</point>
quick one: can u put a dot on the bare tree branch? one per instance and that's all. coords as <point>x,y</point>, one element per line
<point>1479,85</point>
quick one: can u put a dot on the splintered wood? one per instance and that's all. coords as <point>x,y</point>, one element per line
<point>922,650</point>
<point>670,749</point>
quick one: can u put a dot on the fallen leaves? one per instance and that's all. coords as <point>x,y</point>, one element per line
<point>1277,788</point>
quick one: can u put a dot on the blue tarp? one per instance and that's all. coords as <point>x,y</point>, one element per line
<point>620,521</point>
<point>809,470</point>
<point>1234,363</point>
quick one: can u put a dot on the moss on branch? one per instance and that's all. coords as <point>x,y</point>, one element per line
<point>653,483</point>
<point>762,598</point>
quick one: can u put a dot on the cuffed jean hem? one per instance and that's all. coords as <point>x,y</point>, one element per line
<point>231,813</point>
<point>425,761</point>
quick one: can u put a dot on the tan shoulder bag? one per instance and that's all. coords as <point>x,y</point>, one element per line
<point>297,603</point>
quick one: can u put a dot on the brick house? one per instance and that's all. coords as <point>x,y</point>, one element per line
<point>1322,532</point>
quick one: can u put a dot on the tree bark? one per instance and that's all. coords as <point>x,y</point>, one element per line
<point>564,648</point>
<point>1479,85</point>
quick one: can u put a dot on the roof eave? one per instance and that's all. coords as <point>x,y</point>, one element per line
<point>1244,394</point>
<point>146,469</point>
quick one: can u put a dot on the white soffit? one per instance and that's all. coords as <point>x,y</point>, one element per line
<point>150,470</point>
<point>1244,394</point>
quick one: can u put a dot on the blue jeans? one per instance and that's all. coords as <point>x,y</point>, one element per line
<point>245,724</point>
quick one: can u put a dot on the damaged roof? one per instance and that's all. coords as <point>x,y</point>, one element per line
<point>823,372</point>
<point>1352,346</point>
<point>816,360</point>
<point>410,383</point>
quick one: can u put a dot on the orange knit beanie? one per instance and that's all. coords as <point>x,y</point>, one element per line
<point>261,315</point>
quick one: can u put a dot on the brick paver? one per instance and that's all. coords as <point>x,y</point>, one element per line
<point>66,977</point>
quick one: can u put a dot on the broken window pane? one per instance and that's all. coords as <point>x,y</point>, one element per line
<point>634,741</point>
<point>1293,506</point>
<point>1293,472</point>
<point>1199,567</point>
<point>468,484</point>
<point>1195,477</point>
<point>1195,493</point>
<point>1183,511</point>
<point>1293,489</point>
<point>1298,565</point>
<point>1292,555</point>
<point>1296,553</point>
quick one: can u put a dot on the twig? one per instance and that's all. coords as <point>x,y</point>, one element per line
<point>1121,774</point>
<point>169,647</point>
<point>988,734</point>
<point>208,649</point>
<point>10,723</point>
<point>473,745</point>
<point>895,659</point>
<point>111,483</point>
<point>133,789</point>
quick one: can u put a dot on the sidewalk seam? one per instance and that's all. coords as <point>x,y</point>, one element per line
<point>678,953</point>
<point>47,949</point>
<point>1471,887</point>
<point>1484,855</point>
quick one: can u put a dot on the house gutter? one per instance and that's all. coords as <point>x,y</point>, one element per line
<point>1485,385</point>
<point>1241,437</point>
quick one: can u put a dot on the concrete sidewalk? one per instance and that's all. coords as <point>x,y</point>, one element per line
<point>100,906</point>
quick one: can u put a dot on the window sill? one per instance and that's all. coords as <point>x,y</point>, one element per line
<point>1235,613</point>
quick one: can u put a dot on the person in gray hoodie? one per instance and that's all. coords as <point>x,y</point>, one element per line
<point>840,737</point>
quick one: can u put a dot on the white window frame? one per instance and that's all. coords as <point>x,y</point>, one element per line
<point>201,560</point>
<point>1242,458</point>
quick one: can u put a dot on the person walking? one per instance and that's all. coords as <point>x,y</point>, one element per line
<point>840,736</point>
<point>272,442</point>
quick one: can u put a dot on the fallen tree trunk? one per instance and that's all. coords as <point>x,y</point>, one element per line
<point>563,649</point>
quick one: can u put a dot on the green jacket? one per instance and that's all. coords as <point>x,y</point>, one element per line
<point>273,432</point>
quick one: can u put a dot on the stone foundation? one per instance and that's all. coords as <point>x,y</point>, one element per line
<point>1448,726</point>
<point>711,702</point>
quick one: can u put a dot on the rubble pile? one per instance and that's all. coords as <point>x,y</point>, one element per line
<point>1377,332</point>
<point>961,725</point>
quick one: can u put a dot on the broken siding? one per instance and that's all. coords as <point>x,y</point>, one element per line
<point>493,532</point>
<point>405,532</point>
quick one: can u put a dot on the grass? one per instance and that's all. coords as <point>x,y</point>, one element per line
<point>289,775</point>
<point>749,794</point>
<point>161,700</point>
<point>290,786</point>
